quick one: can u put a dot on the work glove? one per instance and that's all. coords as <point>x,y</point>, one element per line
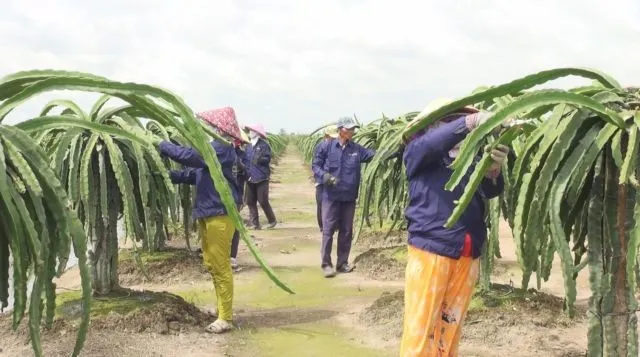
<point>146,135</point>
<point>395,155</point>
<point>154,140</point>
<point>498,155</point>
<point>328,179</point>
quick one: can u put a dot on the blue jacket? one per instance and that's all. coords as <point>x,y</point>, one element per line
<point>241,167</point>
<point>207,202</point>
<point>316,179</point>
<point>343,164</point>
<point>259,157</point>
<point>427,168</point>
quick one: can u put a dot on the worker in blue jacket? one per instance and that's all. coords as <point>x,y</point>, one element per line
<point>442,264</point>
<point>215,227</point>
<point>337,164</point>
<point>330,133</point>
<point>259,155</point>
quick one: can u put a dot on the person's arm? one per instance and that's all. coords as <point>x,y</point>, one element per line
<point>265,157</point>
<point>186,176</point>
<point>183,155</point>
<point>493,183</point>
<point>493,186</point>
<point>226,153</point>
<point>319,159</point>
<point>395,155</point>
<point>366,155</point>
<point>434,144</point>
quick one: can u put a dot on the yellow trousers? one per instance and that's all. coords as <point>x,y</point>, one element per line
<point>437,294</point>
<point>216,234</point>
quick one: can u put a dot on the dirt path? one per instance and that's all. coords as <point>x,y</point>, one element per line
<point>321,319</point>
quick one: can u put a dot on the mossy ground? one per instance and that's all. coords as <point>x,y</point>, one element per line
<point>168,265</point>
<point>132,310</point>
<point>311,290</point>
<point>318,339</point>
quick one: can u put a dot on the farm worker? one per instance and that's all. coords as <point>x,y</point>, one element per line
<point>442,265</point>
<point>241,178</point>
<point>330,132</point>
<point>259,156</point>
<point>337,164</point>
<point>214,224</point>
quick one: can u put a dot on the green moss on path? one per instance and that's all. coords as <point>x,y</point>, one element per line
<point>308,340</point>
<point>312,290</point>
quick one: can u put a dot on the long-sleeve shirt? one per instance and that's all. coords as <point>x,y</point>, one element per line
<point>343,163</point>
<point>207,201</point>
<point>259,158</point>
<point>427,163</point>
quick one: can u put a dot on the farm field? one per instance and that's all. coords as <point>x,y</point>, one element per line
<point>357,314</point>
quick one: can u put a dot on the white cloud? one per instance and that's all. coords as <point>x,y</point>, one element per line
<point>298,64</point>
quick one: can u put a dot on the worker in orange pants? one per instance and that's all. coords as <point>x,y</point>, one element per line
<point>442,265</point>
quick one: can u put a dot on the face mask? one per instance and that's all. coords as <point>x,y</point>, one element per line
<point>253,135</point>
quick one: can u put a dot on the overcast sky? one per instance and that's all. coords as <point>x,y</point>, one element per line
<point>299,64</point>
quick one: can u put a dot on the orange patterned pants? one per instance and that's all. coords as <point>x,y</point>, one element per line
<point>437,294</point>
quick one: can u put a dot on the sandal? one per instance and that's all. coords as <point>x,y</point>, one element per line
<point>219,326</point>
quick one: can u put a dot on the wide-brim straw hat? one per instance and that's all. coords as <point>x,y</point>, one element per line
<point>435,105</point>
<point>331,131</point>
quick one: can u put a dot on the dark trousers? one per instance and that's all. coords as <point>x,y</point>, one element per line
<point>234,244</point>
<point>337,215</point>
<point>259,193</point>
<point>235,241</point>
<point>319,205</point>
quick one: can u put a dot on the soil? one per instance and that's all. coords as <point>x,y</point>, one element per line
<point>382,263</point>
<point>136,311</point>
<point>168,266</point>
<point>379,237</point>
<point>503,321</point>
<point>357,314</point>
<point>120,323</point>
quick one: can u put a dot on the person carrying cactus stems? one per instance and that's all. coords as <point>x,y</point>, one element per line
<point>215,226</point>
<point>330,132</point>
<point>259,155</point>
<point>442,264</point>
<point>337,164</point>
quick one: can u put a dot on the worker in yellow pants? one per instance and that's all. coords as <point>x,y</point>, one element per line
<point>216,234</point>
<point>216,228</point>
